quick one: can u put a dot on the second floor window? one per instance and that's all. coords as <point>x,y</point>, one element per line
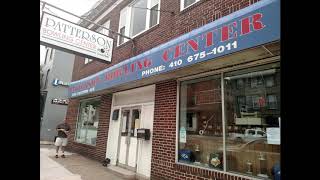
<point>105,31</point>
<point>87,60</point>
<point>138,17</point>
<point>187,3</point>
<point>46,81</point>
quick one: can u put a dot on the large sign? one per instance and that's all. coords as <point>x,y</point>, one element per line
<point>61,34</point>
<point>252,26</point>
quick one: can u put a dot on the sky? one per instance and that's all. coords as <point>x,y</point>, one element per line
<point>78,7</point>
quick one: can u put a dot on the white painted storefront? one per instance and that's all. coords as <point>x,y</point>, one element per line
<point>136,109</point>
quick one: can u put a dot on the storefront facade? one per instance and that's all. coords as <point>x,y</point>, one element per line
<point>204,105</point>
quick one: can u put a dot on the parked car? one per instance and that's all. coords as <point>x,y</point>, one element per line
<point>249,135</point>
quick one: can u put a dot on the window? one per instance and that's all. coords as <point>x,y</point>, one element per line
<point>154,15</point>
<point>260,133</point>
<point>242,103</point>
<point>249,147</point>
<point>272,101</point>
<point>87,60</point>
<point>122,26</point>
<point>47,77</point>
<point>255,102</point>
<point>251,132</point>
<point>269,81</point>
<point>187,3</point>
<point>105,31</point>
<point>138,14</point>
<point>138,17</point>
<point>256,82</point>
<point>191,122</point>
<point>249,150</point>
<point>200,134</point>
<point>51,54</point>
<point>121,38</point>
<point>88,121</point>
<point>47,54</point>
<point>135,122</point>
<point>240,83</point>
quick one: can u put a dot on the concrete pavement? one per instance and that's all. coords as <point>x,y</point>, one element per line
<point>51,170</point>
<point>73,167</point>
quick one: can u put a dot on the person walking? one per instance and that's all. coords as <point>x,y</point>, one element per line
<point>62,138</point>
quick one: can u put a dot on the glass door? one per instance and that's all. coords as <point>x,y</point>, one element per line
<point>130,122</point>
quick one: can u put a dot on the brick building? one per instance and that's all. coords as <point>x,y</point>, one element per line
<point>203,76</point>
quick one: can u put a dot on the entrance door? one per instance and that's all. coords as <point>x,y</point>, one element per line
<point>130,118</point>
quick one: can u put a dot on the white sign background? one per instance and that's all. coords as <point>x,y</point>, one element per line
<point>66,35</point>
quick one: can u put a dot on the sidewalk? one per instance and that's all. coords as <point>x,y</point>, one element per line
<point>50,170</point>
<point>73,167</point>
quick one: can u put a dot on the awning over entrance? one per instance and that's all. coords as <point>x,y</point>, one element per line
<point>250,27</point>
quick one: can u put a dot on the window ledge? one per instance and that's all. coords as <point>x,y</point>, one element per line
<point>183,166</point>
<point>196,4</point>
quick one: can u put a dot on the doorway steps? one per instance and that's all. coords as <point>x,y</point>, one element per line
<point>124,173</point>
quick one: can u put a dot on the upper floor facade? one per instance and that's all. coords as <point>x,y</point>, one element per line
<point>148,23</point>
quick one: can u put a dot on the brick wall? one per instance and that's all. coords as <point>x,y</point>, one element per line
<point>97,152</point>
<point>169,27</point>
<point>163,166</point>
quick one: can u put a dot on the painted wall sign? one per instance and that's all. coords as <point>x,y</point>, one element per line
<point>252,26</point>
<point>57,82</point>
<point>62,34</point>
<point>60,101</point>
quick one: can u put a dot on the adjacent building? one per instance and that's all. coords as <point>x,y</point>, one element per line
<point>194,94</point>
<point>56,75</point>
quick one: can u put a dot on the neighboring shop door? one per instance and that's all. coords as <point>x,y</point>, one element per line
<point>130,122</point>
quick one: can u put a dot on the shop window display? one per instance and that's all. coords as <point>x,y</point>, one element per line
<point>200,139</point>
<point>88,120</point>
<point>253,136</point>
<point>252,121</point>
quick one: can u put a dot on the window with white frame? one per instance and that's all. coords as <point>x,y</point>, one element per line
<point>122,25</point>
<point>138,14</point>
<point>87,60</point>
<point>186,3</point>
<point>154,13</point>
<point>138,17</point>
<point>51,54</point>
<point>105,31</point>
<point>46,57</point>
<point>47,78</point>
